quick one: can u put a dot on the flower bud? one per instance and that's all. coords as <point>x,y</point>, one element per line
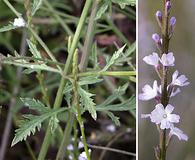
<point>172,24</point>
<point>168,7</point>
<point>172,21</point>
<point>156,38</point>
<point>159,18</point>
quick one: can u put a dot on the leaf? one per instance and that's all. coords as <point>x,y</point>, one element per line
<point>36,6</point>
<point>8,28</point>
<point>29,125</point>
<point>128,105</point>
<point>83,81</point>
<point>33,49</point>
<point>87,102</point>
<point>22,62</point>
<point>114,58</point>
<point>35,105</point>
<point>53,123</point>
<point>93,56</point>
<point>89,80</point>
<point>102,9</point>
<point>116,94</point>
<point>114,118</point>
<point>123,3</point>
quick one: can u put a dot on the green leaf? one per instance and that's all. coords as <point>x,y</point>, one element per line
<point>22,62</point>
<point>128,105</point>
<point>123,3</point>
<point>7,28</point>
<point>33,49</point>
<point>116,94</point>
<point>35,105</point>
<point>87,102</point>
<point>89,80</point>
<point>29,125</point>
<point>53,123</point>
<point>83,81</point>
<point>93,56</point>
<point>114,58</point>
<point>114,118</point>
<point>102,9</point>
<point>36,6</point>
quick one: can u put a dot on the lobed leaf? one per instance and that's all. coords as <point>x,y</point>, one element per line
<point>36,6</point>
<point>33,49</point>
<point>35,105</point>
<point>87,102</point>
<point>31,123</point>
<point>8,28</point>
<point>128,105</point>
<point>102,9</point>
<point>123,3</point>
<point>114,118</point>
<point>114,58</point>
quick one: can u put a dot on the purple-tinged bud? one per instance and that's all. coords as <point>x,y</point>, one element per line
<point>157,41</point>
<point>159,18</point>
<point>168,7</point>
<point>172,21</point>
<point>156,38</point>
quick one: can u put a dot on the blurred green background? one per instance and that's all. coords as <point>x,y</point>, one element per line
<point>182,45</point>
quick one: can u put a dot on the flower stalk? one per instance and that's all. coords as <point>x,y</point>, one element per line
<point>162,114</point>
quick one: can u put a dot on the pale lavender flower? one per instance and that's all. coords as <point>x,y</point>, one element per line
<point>179,133</point>
<point>163,116</point>
<point>168,59</point>
<point>19,22</point>
<point>175,92</point>
<point>152,59</point>
<point>181,80</point>
<point>149,92</point>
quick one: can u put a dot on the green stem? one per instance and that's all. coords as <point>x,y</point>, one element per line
<point>77,103</point>
<point>59,95</point>
<point>89,37</point>
<point>19,15</point>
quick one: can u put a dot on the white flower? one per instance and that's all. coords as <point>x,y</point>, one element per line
<point>83,155</point>
<point>111,128</point>
<point>152,59</point>
<point>149,92</point>
<point>179,133</point>
<point>167,59</point>
<point>179,80</point>
<point>163,116</point>
<point>19,22</point>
